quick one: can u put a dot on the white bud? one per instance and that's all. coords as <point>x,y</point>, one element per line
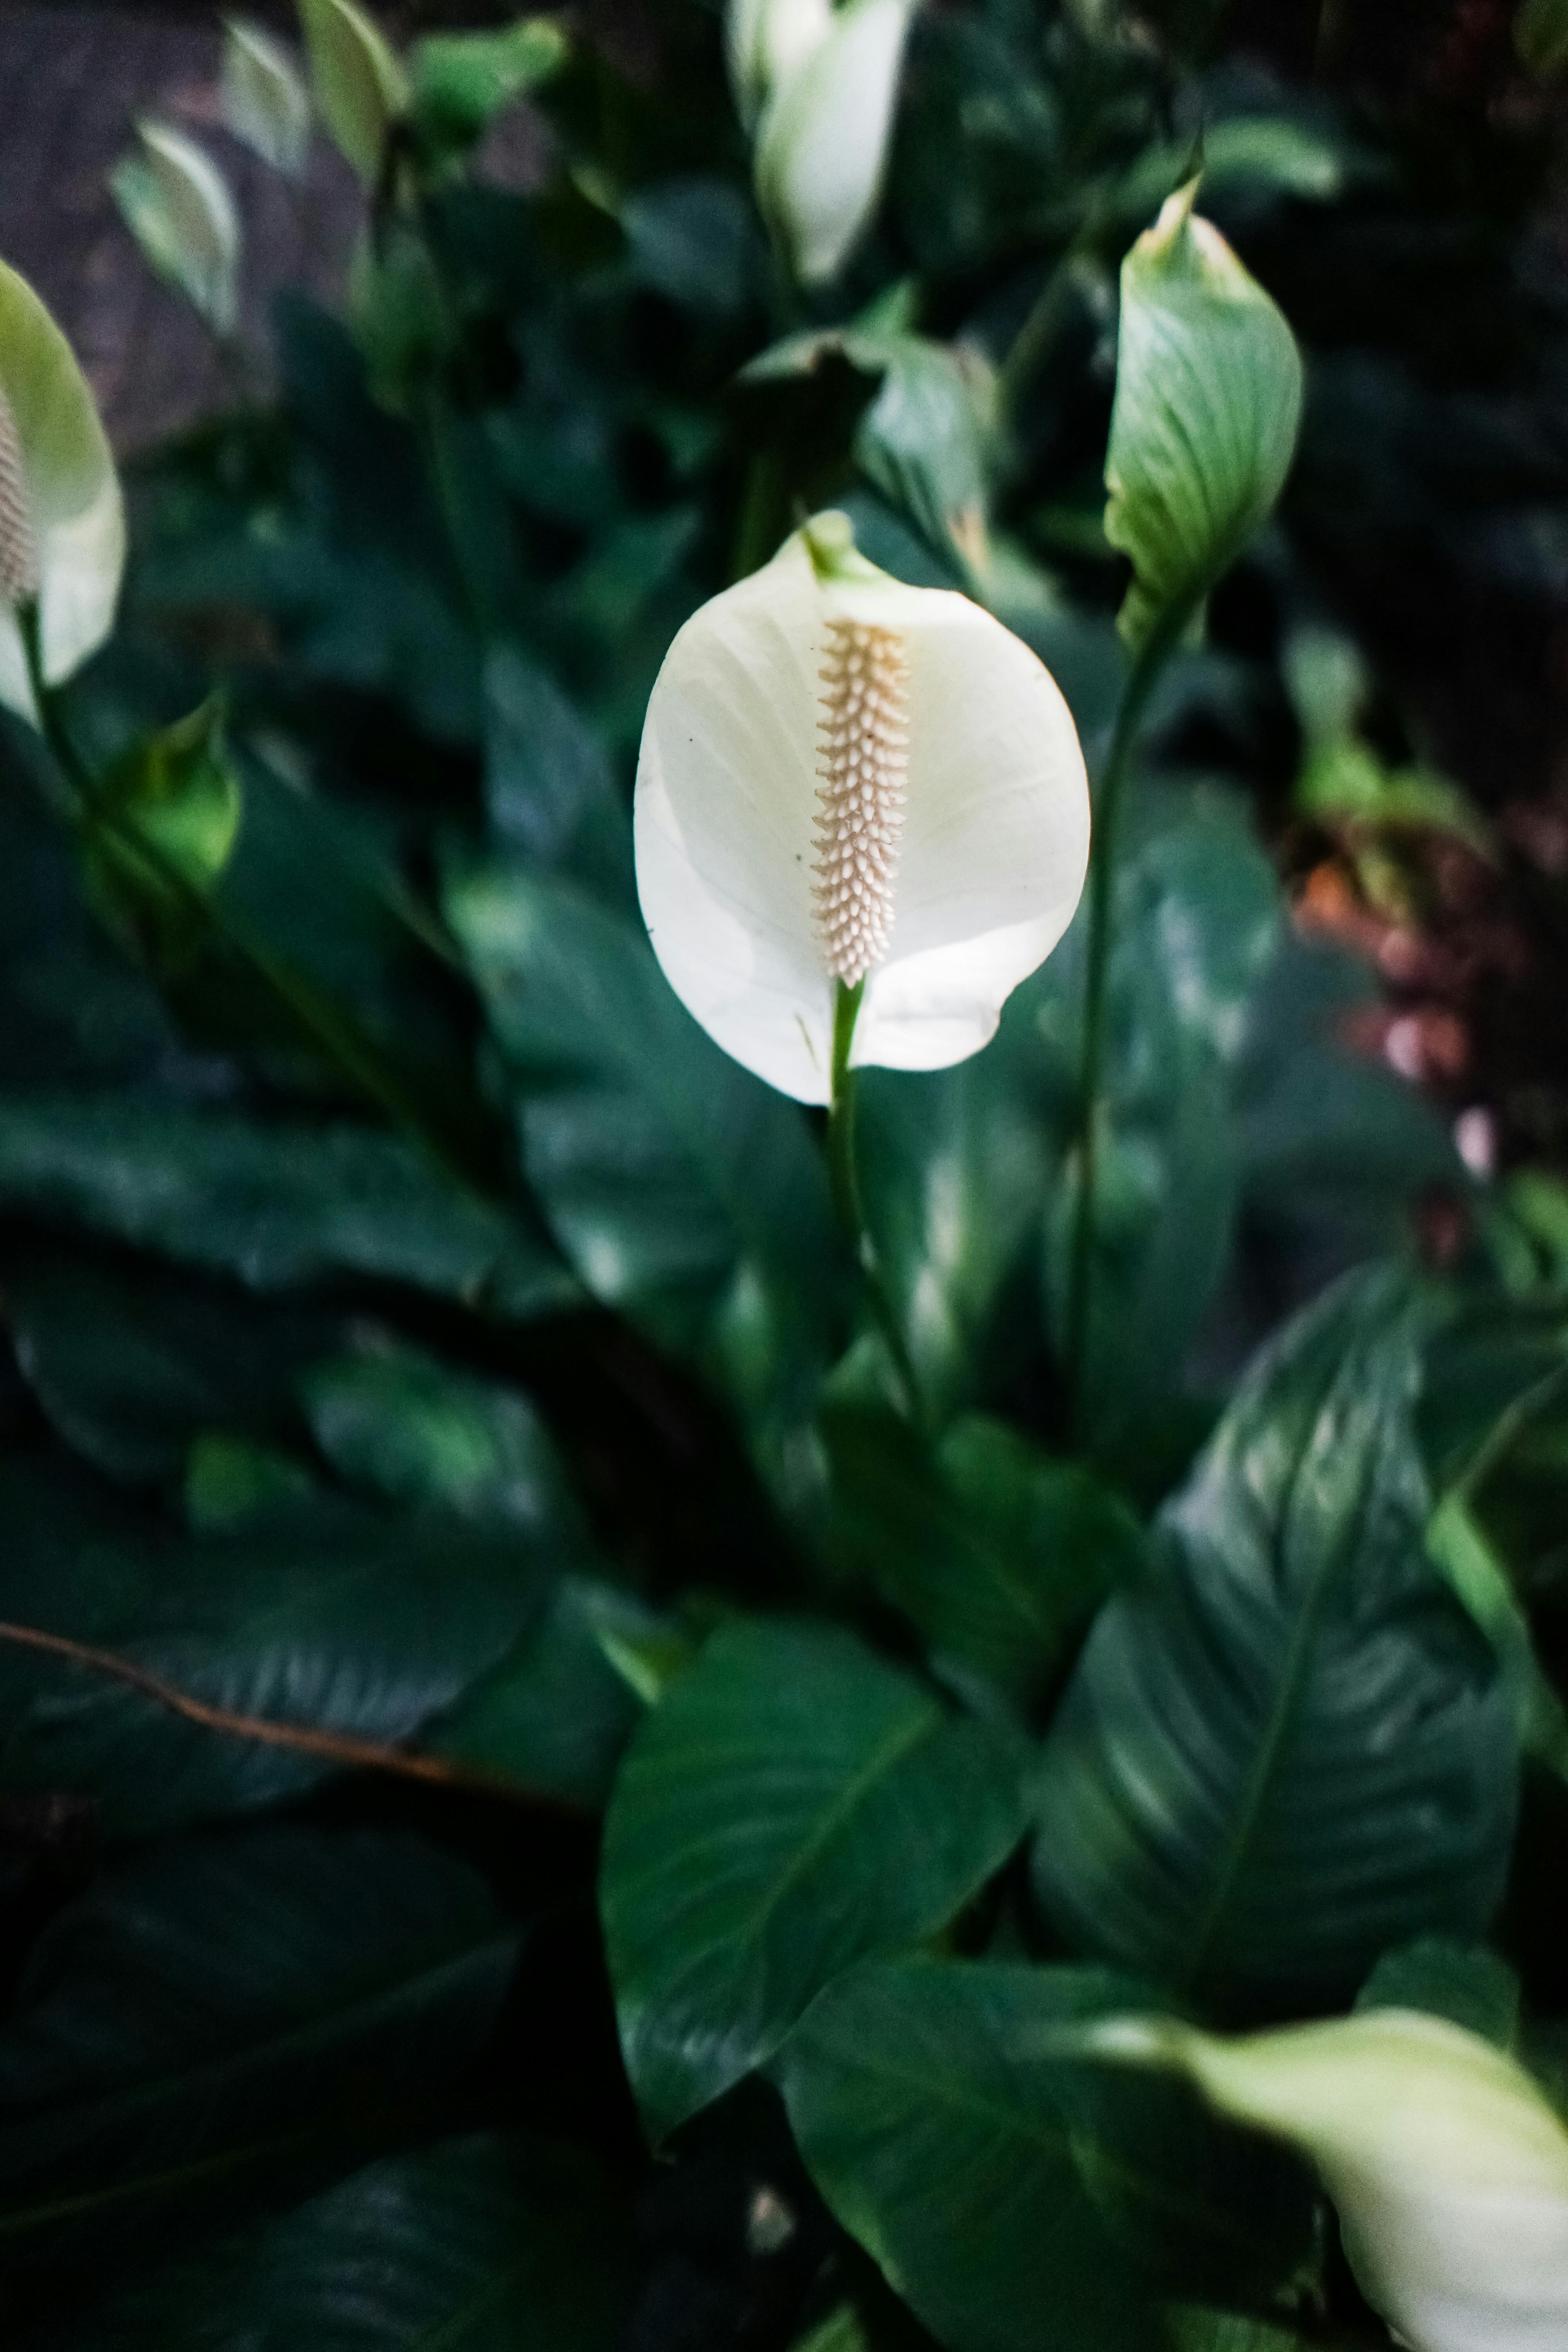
<point>821,149</point>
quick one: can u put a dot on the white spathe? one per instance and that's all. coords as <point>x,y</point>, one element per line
<point>1447,2164</point>
<point>994,841</point>
<point>69,520</point>
<point>822,147</point>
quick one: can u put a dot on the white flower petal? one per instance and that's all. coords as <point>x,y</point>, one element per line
<point>1448,2166</point>
<point>996,835</point>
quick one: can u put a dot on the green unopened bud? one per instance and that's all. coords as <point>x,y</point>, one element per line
<point>1208,404</point>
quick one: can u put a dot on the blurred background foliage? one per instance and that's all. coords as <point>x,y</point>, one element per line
<point>421,1337</point>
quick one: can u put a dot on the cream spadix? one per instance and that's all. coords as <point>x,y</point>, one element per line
<point>844,779</point>
<point>1448,2166</point>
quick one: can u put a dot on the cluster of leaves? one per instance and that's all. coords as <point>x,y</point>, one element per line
<point>469,1561</point>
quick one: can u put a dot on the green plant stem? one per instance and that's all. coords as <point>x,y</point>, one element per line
<point>310,1012</point>
<point>1108,803</point>
<point>843,1174</point>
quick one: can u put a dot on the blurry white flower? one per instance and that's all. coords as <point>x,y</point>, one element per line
<point>1448,2166</point>
<point>831,79</point>
<point>176,203</point>
<point>62,528</point>
<point>844,778</point>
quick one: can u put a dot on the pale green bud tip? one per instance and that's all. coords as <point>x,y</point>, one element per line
<point>829,539</point>
<point>18,537</point>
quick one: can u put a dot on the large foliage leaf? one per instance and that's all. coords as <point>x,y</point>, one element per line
<point>967,1173</point>
<point>220,2013</point>
<point>475,2244</point>
<point>1286,1746</point>
<point>998,1553</point>
<point>956,2125</point>
<point>271,1204</point>
<point>791,1804</point>
<point>683,1190</point>
<point>314,1615</point>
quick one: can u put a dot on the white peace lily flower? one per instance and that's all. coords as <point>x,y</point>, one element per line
<point>822,148</point>
<point>1448,2166</point>
<point>62,527</point>
<point>844,779</point>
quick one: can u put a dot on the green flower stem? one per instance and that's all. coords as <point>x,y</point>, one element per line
<point>1107,803</point>
<point>312,1012</point>
<point>844,1173</point>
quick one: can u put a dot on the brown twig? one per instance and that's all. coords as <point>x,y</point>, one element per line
<point>338,1746</point>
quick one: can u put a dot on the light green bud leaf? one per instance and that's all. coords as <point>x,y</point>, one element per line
<point>462,79</point>
<point>821,149</point>
<point>1203,430</point>
<point>765,42</point>
<point>840,777</point>
<point>165,830</point>
<point>360,88</point>
<point>1447,2164</point>
<point>62,526</point>
<point>176,202</point>
<point>264,103</point>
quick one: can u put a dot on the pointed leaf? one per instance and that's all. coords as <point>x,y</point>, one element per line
<point>1286,1747</point>
<point>789,1805</point>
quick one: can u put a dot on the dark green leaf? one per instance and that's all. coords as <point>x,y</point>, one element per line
<point>133,1361</point>
<point>312,1615</point>
<point>225,2010</point>
<point>998,1553</point>
<point>791,1804</point>
<point>474,2246</point>
<point>959,2129</point>
<point>271,1204</point>
<point>555,1714</point>
<point>391,1419</point>
<point>1466,1983</point>
<point>1287,1747</point>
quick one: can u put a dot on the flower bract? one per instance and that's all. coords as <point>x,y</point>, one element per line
<point>844,780</point>
<point>62,526</point>
<point>1448,2166</point>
